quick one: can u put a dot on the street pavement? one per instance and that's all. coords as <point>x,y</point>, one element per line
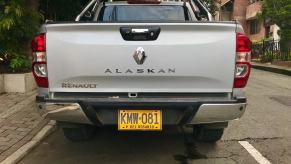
<point>19,121</point>
<point>266,125</point>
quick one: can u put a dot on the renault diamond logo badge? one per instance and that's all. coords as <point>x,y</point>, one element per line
<point>139,56</point>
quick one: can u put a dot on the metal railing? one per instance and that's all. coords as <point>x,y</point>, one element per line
<point>93,5</point>
<point>270,50</point>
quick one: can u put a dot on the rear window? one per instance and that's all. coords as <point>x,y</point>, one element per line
<point>123,13</point>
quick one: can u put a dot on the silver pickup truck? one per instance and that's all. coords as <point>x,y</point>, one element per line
<point>141,65</point>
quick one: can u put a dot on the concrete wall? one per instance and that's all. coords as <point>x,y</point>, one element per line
<point>251,13</point>
<point>222,1</point>
<point>30,82</point>
<point>239,12</point>
<point>253,9</point>
<point>225,16</point>
<point>20,83</point>
<point>244,11</point>
<point>1,83</point>
<point>259,36</point>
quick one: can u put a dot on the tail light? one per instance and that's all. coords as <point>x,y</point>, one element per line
<point>243,60</point>
<point>39,66</point>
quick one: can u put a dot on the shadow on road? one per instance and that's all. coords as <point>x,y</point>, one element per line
<point>110,146</point>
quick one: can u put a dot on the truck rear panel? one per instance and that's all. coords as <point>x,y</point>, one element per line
<point>185,57</point>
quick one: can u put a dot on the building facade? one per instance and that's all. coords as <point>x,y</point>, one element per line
<point>245,12</point>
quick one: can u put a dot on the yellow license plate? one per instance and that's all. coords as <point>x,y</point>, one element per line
<point>145,120</point>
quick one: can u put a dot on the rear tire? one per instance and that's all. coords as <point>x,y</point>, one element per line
<point>209,135</point>
<point>78,132</point>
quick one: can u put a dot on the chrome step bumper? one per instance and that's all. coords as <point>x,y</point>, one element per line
<point>210,113</point>
<point>102,113</point>
<point>63,112</point>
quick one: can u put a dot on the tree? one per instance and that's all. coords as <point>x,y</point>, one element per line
<point>279,12</point>
<point>62,10</point>
<point>19,22</point>
<point>211,6</point>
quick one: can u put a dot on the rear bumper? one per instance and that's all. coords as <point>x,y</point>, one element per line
<point>175,111</point>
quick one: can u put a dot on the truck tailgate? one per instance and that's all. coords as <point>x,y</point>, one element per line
<point>186,57</point>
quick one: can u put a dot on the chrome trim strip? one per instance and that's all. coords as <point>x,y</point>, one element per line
<point>212,113</point>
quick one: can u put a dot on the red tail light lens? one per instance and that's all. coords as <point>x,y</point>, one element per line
<point>243,60</point>
<point>39,66</point>
<point>38,43</point>
<point>243,44</point>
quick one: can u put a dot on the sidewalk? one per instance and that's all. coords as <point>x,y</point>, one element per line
<point>272,68</point>
<point>19,122</point>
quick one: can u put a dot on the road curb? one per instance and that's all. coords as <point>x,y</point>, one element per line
<point>26,148</point>
<point>274,69</point>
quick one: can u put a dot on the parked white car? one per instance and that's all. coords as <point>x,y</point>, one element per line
<point>141,65</point>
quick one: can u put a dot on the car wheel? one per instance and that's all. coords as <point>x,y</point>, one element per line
<point>79,133</point>
<point>204,134</point>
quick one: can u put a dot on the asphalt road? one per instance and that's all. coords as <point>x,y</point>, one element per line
<point>266,125</point>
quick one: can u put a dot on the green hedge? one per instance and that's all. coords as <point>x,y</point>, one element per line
<point>19,22</point>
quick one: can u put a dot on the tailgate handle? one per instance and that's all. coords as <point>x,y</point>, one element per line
<point>140,33</point>
<point>138,30</point>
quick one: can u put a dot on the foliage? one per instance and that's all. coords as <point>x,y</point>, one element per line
<point>211,6</point>
<point>18,24</point>
<point>18,63</point>
<point>278,56</point>
<point>62,10</point>
<point>269,51</point>
<point>267,58</point>
<point>256,49</point>
<point>279,12</point>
